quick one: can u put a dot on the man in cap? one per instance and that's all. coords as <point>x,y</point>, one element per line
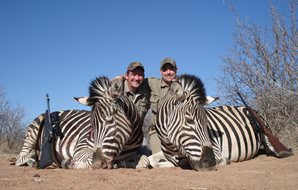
<point>134,88</point>
<point>158,88</point>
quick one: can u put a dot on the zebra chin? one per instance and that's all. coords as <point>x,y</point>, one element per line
<point>207,161</point>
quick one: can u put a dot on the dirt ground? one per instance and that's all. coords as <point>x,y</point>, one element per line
<point>260,173</point>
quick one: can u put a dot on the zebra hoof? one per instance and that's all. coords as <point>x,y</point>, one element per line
<point>116,165</point>
<point>19,162</point>
<point>143,162</point>
<point>32,163</point>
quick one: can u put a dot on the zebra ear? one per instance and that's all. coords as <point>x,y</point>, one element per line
<point>116,88</point>
<point>210,99</point>
<point>177,90</point>
<point>82,100</point>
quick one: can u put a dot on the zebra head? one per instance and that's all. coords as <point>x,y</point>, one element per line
<point>112,127</point>
<point>194,87</point>
<point>195,137</point>
<point>184,122</point>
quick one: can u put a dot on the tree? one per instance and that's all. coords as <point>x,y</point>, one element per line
<point>11,127</point>
<point>263,67</point>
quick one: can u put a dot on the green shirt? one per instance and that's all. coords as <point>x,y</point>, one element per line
<point>140,98</point>
<point>158,89</point>
<point>152,90</point>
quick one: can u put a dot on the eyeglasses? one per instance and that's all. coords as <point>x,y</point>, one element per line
<point>166,67</point>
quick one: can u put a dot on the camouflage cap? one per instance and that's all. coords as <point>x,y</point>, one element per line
<point>168,60</point>
<point>134,65</point>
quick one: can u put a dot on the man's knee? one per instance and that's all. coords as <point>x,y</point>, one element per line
<point>154,142</point>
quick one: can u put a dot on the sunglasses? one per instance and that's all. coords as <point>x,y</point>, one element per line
<point>166,67</point>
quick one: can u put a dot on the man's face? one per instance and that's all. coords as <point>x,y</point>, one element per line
<point>135,78</point>
<point>168,72</point>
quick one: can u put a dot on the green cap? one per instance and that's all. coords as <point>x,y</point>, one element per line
<point>134,65</point>
<point>169,61</point>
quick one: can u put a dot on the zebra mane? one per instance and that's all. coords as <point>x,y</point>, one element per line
<point>98,87</point>
<point>194,86</point>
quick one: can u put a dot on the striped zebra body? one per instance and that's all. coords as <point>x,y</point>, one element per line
<point>110,134</point>
<point>75,147</point>
<point>187,129</point>
<point>182,125</point>
<point>234,137</point>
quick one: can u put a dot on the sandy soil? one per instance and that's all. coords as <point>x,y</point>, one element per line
<point>260,173</point>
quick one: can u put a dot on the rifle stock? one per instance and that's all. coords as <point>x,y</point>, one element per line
<point>277,145</point>
<point>281,149</point>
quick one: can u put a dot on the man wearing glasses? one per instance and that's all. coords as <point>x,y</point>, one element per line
<point>158,89</point>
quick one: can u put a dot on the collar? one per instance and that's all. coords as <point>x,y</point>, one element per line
<point>126,89</point>
<point>163,83</point>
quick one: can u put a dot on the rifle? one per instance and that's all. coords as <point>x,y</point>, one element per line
<point>46,150</point>
<point>281,150</point>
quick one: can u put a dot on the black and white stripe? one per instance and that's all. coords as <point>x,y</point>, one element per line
<point>182,125</point>
<point>116,123</point>
<point>75,147</point>
<point>234,138</point>
<point>186,129</point>
<point>111,133</point>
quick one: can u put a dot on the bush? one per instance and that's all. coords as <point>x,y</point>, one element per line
<point>263,66</point>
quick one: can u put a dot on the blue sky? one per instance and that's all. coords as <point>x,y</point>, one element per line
<point>59,46</point>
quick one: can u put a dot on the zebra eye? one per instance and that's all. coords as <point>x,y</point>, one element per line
<point>113,109</point>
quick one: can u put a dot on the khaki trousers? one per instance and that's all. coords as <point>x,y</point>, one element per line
<point>154,141</point>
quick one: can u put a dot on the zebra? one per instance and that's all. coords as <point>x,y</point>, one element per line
<point>182,125</point>
<point>118,132</point>
<point>108,136</point>
<point>76,146</point>
<point>199,138</point>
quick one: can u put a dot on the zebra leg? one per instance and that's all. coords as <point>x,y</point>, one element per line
<point>156,160</point>
<point>27,158</point>
<point>154,142</point>
<point>81,160</point>
<point>143,162</point>
<point>29,152</point>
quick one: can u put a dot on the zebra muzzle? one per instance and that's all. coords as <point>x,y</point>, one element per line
<point>102,161</point>
<point>207,161</point>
